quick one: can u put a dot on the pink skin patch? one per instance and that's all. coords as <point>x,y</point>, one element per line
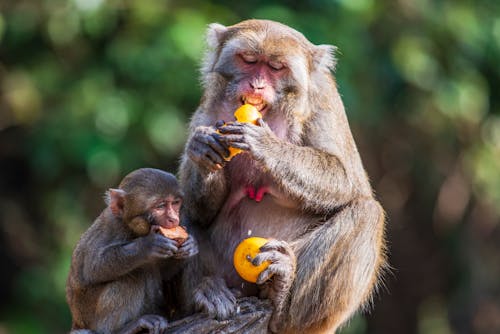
<point>250,192</point>
<point>256,194</point>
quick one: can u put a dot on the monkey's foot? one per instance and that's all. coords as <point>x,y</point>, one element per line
<point>256,194</point>
<point>252,316</point>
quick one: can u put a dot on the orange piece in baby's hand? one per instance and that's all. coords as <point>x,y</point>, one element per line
<point>177,233</point>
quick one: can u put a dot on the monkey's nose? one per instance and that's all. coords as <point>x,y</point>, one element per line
<point>257,85</point>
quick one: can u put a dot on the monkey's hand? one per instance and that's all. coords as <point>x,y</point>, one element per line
<point>150,323</point>
<point>212,296</point>
<point>187,249</point>
<point>156,246</point>
<point>278,276</point>
<point>206,149</point>
<point>247,136</point>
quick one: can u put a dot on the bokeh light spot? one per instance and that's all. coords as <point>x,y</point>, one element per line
<point>22,96</point>
<point>166,131</point>
<point>112,118</point>
<point>63,26</point>
<point>104,168</point>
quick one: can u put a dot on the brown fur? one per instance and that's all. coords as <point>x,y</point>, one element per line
<point>115,279</point>
<point>319,200</point>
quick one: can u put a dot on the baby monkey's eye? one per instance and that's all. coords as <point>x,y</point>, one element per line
<point>160,205</point>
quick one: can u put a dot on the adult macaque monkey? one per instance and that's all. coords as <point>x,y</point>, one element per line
<point>300,182</point>
<point>115,280</point>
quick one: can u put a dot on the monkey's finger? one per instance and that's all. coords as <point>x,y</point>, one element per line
<point>203,304</point>
<point>233,128</point>
<point>228,294</point>
<point>280,269</point>
<point>199,156</point>
<point>224,306</point>
<point>215,149</point>
<point>211,140</point>
<point>189,247</point>
<point>211,153</point>
<point>186,252</point>
<point>162,241</point>
<point>278,245</point>
<point>263,124</point>
<point>281,274</point>
<point>241,146</point>
<point>145,323</point>
<point>232,138</point>
<point>157,327</point>
<point>214,158</point>
<point>165,249</point>
<point>265,256</point>
<point>236,141</point>
<point>218,145</point>
<point>220,123</point>
<point>264,276</point>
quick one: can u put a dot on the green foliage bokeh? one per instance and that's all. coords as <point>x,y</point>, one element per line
<point>92,89</point>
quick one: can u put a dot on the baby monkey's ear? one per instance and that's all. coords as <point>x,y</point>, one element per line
<point>115,199</point>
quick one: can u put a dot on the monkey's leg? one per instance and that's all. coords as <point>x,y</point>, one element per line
<point>338,266</point>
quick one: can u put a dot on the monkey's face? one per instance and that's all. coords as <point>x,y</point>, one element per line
<point>155,211</point>
<point>165,212</point>
<point>267,68</point>
<point>146,197</point>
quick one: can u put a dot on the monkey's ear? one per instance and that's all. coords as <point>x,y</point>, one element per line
<point>115,200</point>
<point>215,34</point>
<point>324,57</point>
<point>214,37</point>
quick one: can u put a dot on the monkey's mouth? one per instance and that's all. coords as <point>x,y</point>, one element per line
<point>256,101</point>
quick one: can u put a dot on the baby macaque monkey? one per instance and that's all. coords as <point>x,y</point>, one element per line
<point>115,279</point>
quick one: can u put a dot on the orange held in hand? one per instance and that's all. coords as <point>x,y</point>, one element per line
<point>243,256</point>
<point>247,113</point>
<point>177,233</point>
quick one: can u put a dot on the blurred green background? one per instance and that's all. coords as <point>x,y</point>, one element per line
<point>91,89</point>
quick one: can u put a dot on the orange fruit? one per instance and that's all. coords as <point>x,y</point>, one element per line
<point>247,113</point>
<point>243,256</point>
<point>177,233</point>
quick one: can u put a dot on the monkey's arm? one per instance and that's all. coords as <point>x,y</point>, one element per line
<point>203,182</point>
<point>319,180</point>
<point>117,258</point>
<point>338,265</point>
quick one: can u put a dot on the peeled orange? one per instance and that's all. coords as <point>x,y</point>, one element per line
<point>243,256</point>
<point>247,113</point>
<point>177,233</point>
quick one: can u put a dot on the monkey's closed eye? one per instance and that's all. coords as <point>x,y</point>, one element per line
<point>249,58</point>
<point>276,65</point>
